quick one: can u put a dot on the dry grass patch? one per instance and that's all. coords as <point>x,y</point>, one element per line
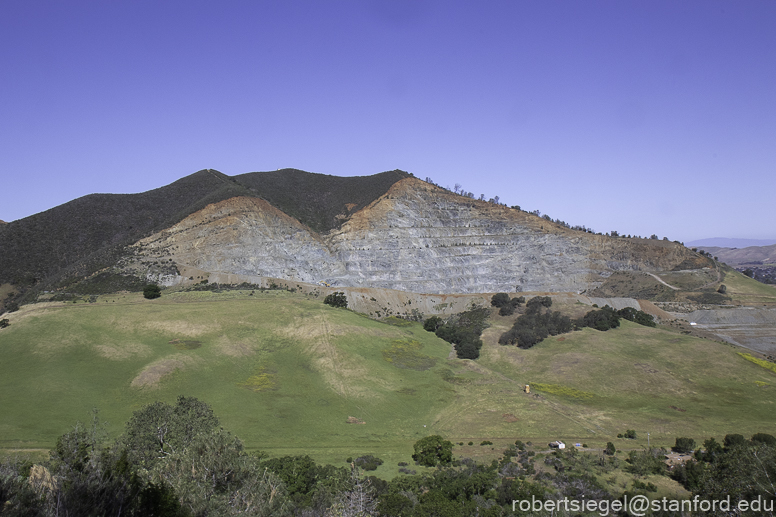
<point>153,373</point>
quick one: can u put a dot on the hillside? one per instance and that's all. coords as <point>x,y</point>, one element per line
<point>286,373</point>
<point>416,238</point>
<point>87,234</point>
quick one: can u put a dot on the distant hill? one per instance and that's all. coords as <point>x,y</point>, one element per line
<point>725,242</point>
<point>751,255</point>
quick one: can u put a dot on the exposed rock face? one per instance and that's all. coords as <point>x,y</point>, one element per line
<point>417,237</point>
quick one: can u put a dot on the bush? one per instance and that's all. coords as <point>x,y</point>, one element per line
<point>336,299</point>
<point>610,449</point>
<point>368,462</point>
<point>4,323</point>
<point>630,434</point>
<point>152,291</point>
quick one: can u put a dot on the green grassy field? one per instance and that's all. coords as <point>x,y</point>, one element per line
<point>285,373</point>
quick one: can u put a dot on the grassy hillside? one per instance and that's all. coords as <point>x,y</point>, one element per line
<point>285,373</point>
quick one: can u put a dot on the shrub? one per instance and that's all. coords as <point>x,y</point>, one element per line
<point>336,299</point>
<point>368,462</point>
<point>152,291</point>
<point>630,434</point>
<point>610,449</point>
<point>4,323</point>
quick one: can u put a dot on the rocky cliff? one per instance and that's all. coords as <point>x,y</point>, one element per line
<point>416,237</point>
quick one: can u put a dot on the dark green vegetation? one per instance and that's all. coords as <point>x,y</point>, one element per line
<point>462,330</point>
<point>152,291</point>
<point>67,244</point>
<point>506,306</point>
<point>432,451</point>
<point>175,461</point>
<point>534,325</point>
<point>336,299</point>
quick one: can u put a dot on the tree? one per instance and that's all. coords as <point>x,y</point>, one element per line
<point>336,299</point>
<point>610,449</point>
<point>433,450</point>
<point>684,445</point>
<point>722,289</point>
<point>432,323</point>
<point>152,291</point>
<point>499,300</point>
<point>213,475</point>
<point>159,429</point>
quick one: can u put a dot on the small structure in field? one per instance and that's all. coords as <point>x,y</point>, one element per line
<point>558,445</point>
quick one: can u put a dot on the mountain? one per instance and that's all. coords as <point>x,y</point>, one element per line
<point>90,233</point>
<point>752,255</point>
<point>388,230</point>
<point>416,237</point>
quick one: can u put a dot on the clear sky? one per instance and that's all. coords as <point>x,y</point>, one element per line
<point>637,116</point>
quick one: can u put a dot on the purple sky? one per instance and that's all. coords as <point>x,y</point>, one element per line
<point>637,116</point>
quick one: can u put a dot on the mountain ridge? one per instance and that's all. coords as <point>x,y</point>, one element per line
<point>389,231</point>
<point>416,237</point>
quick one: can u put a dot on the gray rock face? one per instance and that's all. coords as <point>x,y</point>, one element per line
<point>416,238</point>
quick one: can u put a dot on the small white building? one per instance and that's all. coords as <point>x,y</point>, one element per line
<point>558,445</point>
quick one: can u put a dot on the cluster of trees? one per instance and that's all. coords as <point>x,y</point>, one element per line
<point>539,322</point>
<point>506,305</point>
<point>740,468</point>
<point>764,274</point>
<point>458,189</point>
<point>536,324</point>
<point>462,330</point>
<point>336,299</point>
